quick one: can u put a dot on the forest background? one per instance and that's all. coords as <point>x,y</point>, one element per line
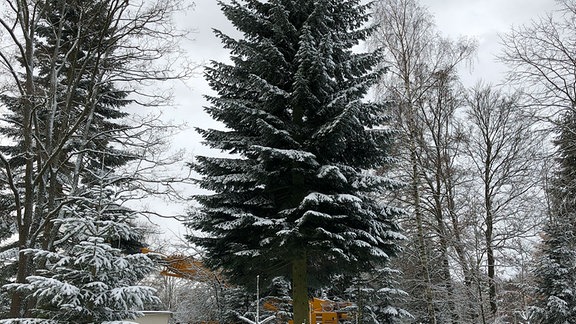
<point>473,215</point>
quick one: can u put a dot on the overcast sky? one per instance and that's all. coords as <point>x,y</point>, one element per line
<point>481,19</point>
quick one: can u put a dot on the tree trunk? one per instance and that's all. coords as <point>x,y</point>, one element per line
<point>491,265</point>
<point>471,313</point>
<point>422,251</point>
<point>491,277</point>
<point>25,217</point>
<point>447,281</point>
<point>300,291</point>
<point>443,234</point>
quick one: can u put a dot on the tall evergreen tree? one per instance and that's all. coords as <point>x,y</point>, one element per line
<point>556,268</point>
<point>298,196</point>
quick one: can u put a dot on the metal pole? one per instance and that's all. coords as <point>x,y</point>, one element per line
<point>257,298</point>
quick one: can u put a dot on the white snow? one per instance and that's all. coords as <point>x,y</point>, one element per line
<point>292,155</point>
<point>331,171</point>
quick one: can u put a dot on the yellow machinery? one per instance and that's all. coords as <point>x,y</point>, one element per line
<point>327,311</point>
<point>324,311</point>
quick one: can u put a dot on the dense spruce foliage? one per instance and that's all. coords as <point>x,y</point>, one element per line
<point>299,193</point>
<point>555,273</point>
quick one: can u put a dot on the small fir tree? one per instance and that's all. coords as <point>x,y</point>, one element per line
<point>278,301</point>
<point>297,196</point>
<point>375,297</point>
<point>89,278</point>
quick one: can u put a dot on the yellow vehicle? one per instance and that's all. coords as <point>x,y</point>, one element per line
<point>323,311</point>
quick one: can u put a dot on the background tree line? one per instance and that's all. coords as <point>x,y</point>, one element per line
<point>482,176</point>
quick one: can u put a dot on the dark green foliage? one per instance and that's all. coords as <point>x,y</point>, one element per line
<point>75,123</point>
<point>375,297</point>
<point>304,143</point>
<point>277,301</point>
<point>77,106</point>
<point>556,268</point>
<point>236,301</point>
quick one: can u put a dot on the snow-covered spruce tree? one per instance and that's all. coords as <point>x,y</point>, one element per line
<point>236,301</point>
<point>298,196</point>
<point>556,268</point>
<point>278,300</point>
<point>89,278</point>
<point>375,297</point>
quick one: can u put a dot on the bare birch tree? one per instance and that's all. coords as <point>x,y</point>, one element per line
<point>505,152</point>
<point>421,80</point>
<point>541,59</point>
